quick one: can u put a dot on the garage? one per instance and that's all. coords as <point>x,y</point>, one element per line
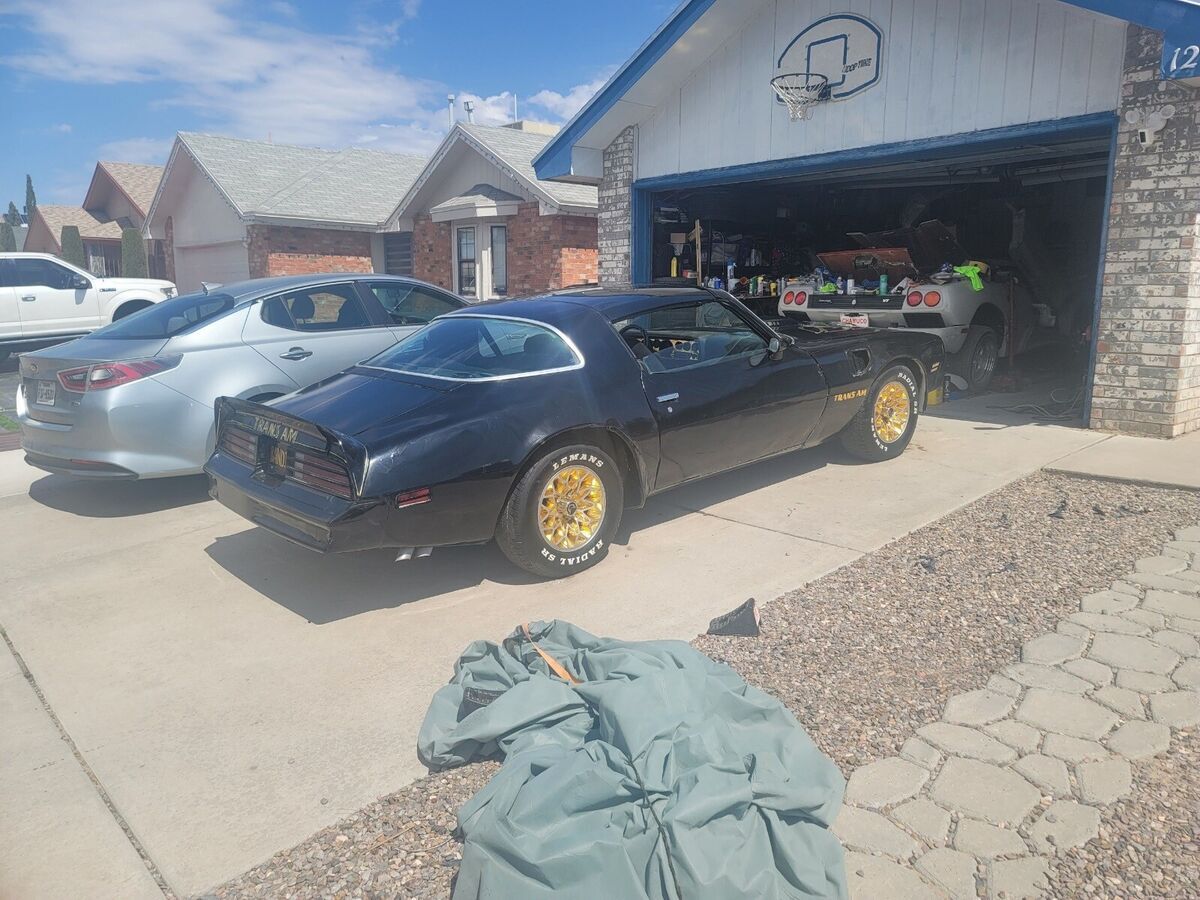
<point>1019,174</point>
<point>878,245</point>
<point>212,263</point>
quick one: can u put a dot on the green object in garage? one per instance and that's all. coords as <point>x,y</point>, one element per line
<point>631,769</point>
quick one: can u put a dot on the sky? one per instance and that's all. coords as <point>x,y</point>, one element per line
<point>82,80</point>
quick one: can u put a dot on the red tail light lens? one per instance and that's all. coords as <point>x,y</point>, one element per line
<point>933,298</point>
<point>101,376</point>
<point>801,298</point>
<point>914,298</point>
<point>789,297</point>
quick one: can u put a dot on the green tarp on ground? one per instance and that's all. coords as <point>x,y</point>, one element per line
<point>660,775</point>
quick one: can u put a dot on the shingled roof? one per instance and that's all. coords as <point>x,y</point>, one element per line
<point>90,227</point>
<point>136,181</point>
<point>512,150</point>
<point>279,181</point>
<point>516,149</point>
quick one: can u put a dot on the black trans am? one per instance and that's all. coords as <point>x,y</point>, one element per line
<point>538,422</point>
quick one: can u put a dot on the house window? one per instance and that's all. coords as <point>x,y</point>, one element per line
<point>467,285</point>
<point>499,260</point>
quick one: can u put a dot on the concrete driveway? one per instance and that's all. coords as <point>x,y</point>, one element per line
<point>210,694</point>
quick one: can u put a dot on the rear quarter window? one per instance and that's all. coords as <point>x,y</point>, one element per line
<point>477,348</point>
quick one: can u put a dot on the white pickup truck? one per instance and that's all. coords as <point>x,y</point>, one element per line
<point>44,300</point>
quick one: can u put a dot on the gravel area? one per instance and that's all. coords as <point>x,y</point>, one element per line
<point>863,657</point>
<point>1149,844</point>
<point>869,653</point>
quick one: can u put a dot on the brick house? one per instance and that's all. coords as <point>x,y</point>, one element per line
<point>485,226</point>
<point>230,209</point>
<point>118,197</point>
<point>1055,107</point>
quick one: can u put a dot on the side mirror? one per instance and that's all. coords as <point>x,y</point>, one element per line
<point>775,347</point>
<point>80,283</point>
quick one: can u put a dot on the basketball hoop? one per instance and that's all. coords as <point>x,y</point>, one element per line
<point>799,91</point>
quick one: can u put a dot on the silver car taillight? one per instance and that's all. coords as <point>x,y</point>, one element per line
<point>101,376</point>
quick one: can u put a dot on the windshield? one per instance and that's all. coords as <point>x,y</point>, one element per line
<point>169,318</point>
<point>471,348</point>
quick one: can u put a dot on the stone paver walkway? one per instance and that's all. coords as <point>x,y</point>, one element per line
<point>1016,771</point>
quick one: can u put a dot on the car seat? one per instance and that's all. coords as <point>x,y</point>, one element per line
<point>542,351</point>
<point>350,315</point>
<point>303,310</point>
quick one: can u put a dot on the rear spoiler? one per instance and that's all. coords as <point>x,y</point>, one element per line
<point>275,423</point>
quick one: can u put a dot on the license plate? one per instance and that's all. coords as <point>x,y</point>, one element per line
<point>858,320</point>
<point>45,393</point>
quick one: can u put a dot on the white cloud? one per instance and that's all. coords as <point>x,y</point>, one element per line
<point>137,150</point>
<point>60,128</point>
<point>259,78</point>
<point>250,78</point>
<point>563,106</point>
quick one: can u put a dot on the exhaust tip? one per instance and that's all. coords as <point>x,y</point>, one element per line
<point>423,552</point>
<point>405,554</point>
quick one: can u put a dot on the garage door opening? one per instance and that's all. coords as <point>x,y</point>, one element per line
<point>999,254</point>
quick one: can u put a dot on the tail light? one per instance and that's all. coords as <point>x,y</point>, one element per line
<point>412,498</point>
<point>789,297</point>
<point>914,298</point>
<point>933,298</point>
<point>101,376</point>
<point>801,298</point>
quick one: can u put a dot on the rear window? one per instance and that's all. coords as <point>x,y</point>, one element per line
<point>474,348</point>
<point>169,318</point>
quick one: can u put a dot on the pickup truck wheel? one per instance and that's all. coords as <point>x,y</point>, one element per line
<point>976,361</point>
<point>884,425</point>
<point>563,512</point>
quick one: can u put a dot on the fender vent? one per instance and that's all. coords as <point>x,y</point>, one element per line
<point>860,361</point>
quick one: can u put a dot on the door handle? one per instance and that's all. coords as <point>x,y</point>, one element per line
<point>667,398</point>
<point>296,353</point>
<point>29,298</point>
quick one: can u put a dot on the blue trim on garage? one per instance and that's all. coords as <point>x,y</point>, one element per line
<point>554,161</point>
<point>1178,20</point>
<point>1090,380</point>
<point>641,230</point>
<point>1096,125</point>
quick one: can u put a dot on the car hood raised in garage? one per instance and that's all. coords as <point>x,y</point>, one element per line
<point>359,400</point>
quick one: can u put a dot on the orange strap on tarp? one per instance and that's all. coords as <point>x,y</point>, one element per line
<point>555,666</point>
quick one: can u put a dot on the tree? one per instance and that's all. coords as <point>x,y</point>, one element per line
<point>72,246</point>
<point>8,240</point>
<point>13,216</point>
<point>133,254</point>
<point>30,197</point>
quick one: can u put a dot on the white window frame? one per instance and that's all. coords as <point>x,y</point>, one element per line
<point>477,260</point>
<point>491,253</point>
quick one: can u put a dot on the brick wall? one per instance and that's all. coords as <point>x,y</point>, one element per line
<point>432,252</point>
<point>533,251</point>
<point>620,170</point>
<point>277,250</point>
<point>579,258</point>
<point>544,252</point>
<point>1147,378</point>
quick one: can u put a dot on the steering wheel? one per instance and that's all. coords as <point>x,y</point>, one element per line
<point>634,334</point>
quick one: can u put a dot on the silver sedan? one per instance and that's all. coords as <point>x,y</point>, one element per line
<point>135,399</point>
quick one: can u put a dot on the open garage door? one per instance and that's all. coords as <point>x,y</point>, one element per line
<point>996,249</point>
<point>213,263</point>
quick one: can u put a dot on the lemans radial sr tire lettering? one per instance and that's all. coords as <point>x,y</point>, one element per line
<point>862,438</point>
<point>519,533</point>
